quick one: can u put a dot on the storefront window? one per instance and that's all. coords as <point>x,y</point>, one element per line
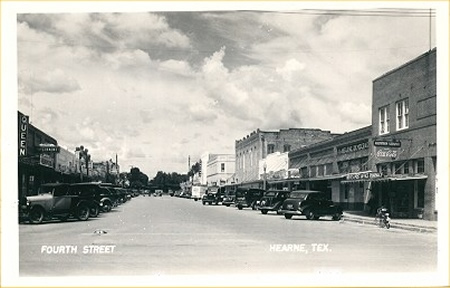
<point>420,196</point>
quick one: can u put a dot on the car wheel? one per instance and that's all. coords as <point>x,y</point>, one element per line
<point>337,216</point>
<point>107,206</point>
<point>264,211</point>
<point>288,216</point>
<point>311,215</point>
<point>228,205</point>
<point>240,207</point>
<point>94,211</point>
<point>203,202</point>
<point>36,215</point>
<point>82,212</point>
<point>254,206</point>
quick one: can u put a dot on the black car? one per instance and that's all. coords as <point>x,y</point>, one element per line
<point>229,198</point>
<point>212,197</point>
<point>312,204</point>
<point>103,196</point>
<point>273,201</point>
<point>249,198</point>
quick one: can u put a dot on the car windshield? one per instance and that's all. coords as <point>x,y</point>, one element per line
<point>298,195</point>
<point>46,190</point>
<point>240,193</point>
<point>270,194</point>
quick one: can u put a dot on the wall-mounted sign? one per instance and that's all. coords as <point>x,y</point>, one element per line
<point>46,160</point>
<point>23,134</point>
<point>353,148</point>
<point>367,175</point>
<point>380,143</point>
<point>386,153</point>
<point>42,148</point>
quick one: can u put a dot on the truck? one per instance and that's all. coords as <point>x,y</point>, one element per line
<point>197,192</point>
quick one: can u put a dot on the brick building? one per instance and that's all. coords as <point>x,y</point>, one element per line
<point>404,133</point>
<point>325,166</point>
<point>258,144</point>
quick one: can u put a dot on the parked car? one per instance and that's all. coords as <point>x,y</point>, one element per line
<point>249,198</point>
<point>273,201</point>
<point>54,200</point>
<point>312,204</point>
<point>103,196</point>
<point>212,196</point>
<point>229,198</point>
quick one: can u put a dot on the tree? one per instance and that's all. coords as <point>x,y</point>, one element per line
<point>137,178</point>
<point>166,181</point>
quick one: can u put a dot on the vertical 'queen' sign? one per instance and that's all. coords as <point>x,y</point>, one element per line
<point>23,134</point>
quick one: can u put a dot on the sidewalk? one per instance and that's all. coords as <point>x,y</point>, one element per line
<point>417,225</point>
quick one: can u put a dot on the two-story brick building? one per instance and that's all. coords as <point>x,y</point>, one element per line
<point>404,132</point>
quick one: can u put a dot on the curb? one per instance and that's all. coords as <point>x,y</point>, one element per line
<point>396,225</point>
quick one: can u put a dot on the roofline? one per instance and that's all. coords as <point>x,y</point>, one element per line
<point>406,64</point>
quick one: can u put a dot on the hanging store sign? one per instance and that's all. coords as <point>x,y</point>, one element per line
<point>394,143</point>
<point>353,148</point>
<point>367,175</point>
<point>384,152</point>
<point>23,134</point>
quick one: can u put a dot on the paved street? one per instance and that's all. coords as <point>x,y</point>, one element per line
<point>168,236</point>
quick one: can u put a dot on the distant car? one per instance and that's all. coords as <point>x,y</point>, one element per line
<point>54,200</point>
<point>273,201</point>
<point>229,198</point>
<point>158,193</point>
<point>212,197</point>
<point>312,204</point>
<point>248,198</point>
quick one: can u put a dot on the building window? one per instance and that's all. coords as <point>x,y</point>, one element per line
<point>402,112</point>
<point>320,170</point>
<point>304,172</point>
<point>406,168</point>
<point>222,167</point>
<point>420,166</point>
<point>383,169</point>
<point>383,113</point>
<point>329,169</point>
<point>270,148</point>
<point>286,148</point>
<point>313,171</point>
<point>397,168</point>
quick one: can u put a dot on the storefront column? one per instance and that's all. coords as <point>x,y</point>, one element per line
<point>429,195</point>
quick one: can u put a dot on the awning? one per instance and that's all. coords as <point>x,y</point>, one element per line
<point>326,177</point>
<point>388,178</point>
<point>405,178</point>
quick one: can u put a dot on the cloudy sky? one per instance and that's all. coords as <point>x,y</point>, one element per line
<point>155,87</point>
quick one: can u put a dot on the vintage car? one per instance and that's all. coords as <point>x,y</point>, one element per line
<point>312,204</point>
<point>229,198</point>
<point>273,200</point>
<point>212,196</point>
<point>249,198</point>
<point>102,194</point>
<point>54,200</point>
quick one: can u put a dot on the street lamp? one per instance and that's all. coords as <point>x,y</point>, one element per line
<point>265,175</point>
